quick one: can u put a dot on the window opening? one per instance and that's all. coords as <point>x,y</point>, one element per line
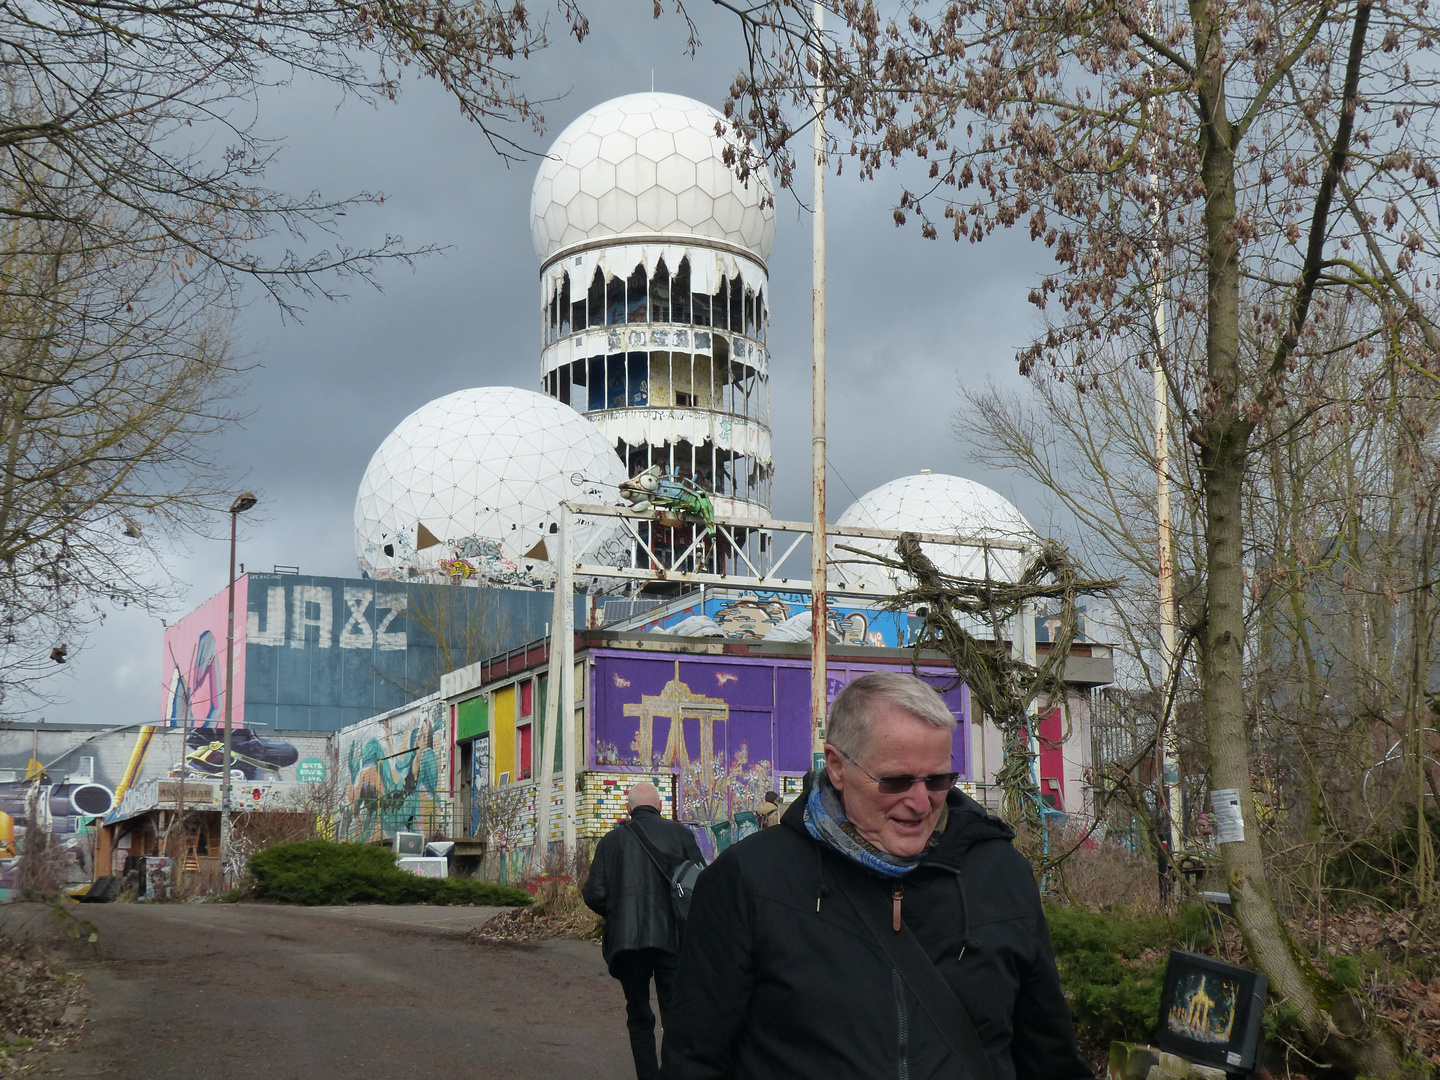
<point>635,289</point>
<point>615,381</point>
<point>564,305</point>
<point>680,293</point>
<point>737,305</point>
<point>637,378</point>
<point>595,315</point>
<point>762,316</point>
<point>563,384</point>
<point>615,301</point>
<point>720,305</point>
<point>597,383</point>
<point>700,309</point>
<point>660,294</point>
<point>749,314</point>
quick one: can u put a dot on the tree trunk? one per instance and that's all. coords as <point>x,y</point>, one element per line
<point>1330,1018</point>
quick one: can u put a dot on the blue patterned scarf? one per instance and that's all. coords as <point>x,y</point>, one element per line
<point>825,820</point>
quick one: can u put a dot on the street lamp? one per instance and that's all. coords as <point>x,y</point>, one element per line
<point>244,501</point>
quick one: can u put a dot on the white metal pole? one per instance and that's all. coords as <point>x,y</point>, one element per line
<point>819,652</point>
<point>1170,742</point>
<point>543,769</point>
<point>565,587</point>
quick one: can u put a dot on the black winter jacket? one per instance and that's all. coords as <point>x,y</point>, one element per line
<point>627,889</point>
<point>779,978</point>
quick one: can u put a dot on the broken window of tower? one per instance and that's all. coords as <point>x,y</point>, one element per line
<point>660,294</point>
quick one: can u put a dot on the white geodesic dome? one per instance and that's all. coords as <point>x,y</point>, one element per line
<point>469,487</point>
<point>934,503</point>
<point>647,165</point>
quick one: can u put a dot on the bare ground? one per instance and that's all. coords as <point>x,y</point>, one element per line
<point>232,991</point>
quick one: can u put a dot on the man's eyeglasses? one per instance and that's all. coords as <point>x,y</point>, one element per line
<point>899,785</point>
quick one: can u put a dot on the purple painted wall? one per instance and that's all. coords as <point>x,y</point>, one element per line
<point>743,722</point>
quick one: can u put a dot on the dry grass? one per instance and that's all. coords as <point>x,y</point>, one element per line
<point>1104,877</point>
<point>558,911</point>
<point>40,1005</point>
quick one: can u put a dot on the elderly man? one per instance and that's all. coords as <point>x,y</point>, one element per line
<point>887,928</point>
<point>628,886</point>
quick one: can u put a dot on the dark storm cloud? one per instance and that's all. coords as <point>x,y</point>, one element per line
<point>906,316</point>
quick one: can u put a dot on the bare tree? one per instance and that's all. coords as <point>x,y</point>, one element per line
<point>133,207</point>
<point>114,370</point>
<point>1264,164</point>
<point>115,100</point>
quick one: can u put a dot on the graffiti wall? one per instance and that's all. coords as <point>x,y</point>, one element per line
<point>193,663</point>
<point>70,776</point>
<point>753,615</point>
<point>727,728</point>
<point>396,769</point>
<point>318,653</point>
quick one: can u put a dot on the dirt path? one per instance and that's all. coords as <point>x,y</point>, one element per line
<point>232,991</point>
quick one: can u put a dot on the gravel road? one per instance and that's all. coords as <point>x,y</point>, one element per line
<point>233,991</point>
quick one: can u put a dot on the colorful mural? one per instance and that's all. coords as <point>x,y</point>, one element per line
<point>397,770</point>
<point>194,661</point>
<point>752,615</point>
<point>727,728</point>
<point>66,809</point>
<point>80,774</point>
<point>318,653</point>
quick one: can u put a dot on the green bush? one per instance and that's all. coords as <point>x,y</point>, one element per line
<point>1112,965</point>
<point>318,872</point>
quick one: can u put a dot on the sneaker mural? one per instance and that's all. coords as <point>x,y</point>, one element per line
<point>252,757</point>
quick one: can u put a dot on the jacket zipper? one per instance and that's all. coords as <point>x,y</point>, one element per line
<point>904,1018</point>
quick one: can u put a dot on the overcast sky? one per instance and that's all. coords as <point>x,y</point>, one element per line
<point>910,322</point>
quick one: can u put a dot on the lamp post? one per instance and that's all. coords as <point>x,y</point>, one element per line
<point>244,501</point>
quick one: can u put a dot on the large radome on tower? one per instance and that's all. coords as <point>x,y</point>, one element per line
<point>655,297</point>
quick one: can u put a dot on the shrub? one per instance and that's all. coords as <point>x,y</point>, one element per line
<point>320,872</point>
<point>1111,966</point>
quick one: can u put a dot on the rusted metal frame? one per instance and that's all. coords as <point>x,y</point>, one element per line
<point>644,545</point>
<point>777,525</point>
<point>728,532</point>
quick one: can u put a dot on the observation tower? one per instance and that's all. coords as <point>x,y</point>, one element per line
<point>654,294</point>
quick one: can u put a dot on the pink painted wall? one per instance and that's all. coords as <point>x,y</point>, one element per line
<point>193,660</point>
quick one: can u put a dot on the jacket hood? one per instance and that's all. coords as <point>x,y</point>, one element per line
<point>968,823</point>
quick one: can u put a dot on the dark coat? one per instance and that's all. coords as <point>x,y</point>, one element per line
<point>779,978</point>
<point>629,891</point>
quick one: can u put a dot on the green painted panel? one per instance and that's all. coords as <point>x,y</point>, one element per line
<point>472,718</point>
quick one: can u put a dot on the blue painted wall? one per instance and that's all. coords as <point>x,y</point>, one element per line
<point>323,652</point>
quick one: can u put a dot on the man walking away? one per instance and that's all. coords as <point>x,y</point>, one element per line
<point>631,892</point>
<point>769,811</point>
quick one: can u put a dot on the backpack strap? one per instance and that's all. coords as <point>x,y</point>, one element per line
<point>640,835</point>
<point>925,981</point>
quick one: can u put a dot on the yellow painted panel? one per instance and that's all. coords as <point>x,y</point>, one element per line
<point>502,734</point>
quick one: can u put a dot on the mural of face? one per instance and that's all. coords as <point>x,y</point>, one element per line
<point>900,745</point>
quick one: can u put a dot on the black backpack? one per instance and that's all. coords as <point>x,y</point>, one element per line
<point>679,883</point>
